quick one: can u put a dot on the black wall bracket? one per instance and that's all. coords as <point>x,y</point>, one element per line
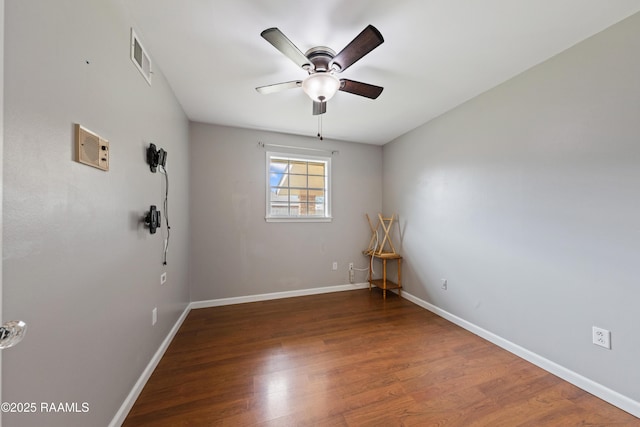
<point>153,219</point>
<point>156,157</point>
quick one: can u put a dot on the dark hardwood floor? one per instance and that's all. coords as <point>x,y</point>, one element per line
<point>351,359</point>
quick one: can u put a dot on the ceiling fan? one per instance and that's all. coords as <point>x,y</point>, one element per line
<point>323,64</point>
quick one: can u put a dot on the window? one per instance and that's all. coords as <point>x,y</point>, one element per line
<point>298,187</point>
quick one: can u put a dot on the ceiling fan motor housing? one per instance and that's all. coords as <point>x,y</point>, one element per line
<point>320,57</point>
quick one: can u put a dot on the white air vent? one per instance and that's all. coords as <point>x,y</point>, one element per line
<point>140,58</point>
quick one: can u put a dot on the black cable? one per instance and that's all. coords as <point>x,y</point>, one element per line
<point>166,212</point>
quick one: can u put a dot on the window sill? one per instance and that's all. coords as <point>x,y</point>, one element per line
<point>297,219</point>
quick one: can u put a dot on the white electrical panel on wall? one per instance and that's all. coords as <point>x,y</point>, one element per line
<point>91,149</point>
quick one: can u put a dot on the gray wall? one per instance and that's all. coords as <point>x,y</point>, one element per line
<point>526,200</point>
<point>78,265</point>
<point>234,252</point>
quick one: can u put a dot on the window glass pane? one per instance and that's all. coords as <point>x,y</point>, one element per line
<point>277,178</point>
<point>298,181</point>
<point>278,209</point>
<point>316,182</point>
<point>298,167</point>
<point>279,194</point>
<point>318,210</point>
<point>316,196</point>
<point>279,165</point>
<point>316,169</point>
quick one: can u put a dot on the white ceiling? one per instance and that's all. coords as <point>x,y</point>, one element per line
<point>437,54</point>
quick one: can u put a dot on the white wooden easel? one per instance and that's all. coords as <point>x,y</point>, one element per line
<point>375,246</point>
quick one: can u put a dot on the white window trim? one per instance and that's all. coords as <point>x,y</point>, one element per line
<point>302,157</point>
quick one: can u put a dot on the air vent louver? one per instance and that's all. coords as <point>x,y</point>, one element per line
<point>140,58</point>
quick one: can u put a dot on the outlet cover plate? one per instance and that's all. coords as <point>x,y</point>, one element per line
<point>602,337</point>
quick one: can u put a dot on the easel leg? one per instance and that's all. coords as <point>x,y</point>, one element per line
<point>399,276</point>
<point>373,242</point>
<point>370,267</point>
<point>384,278</point>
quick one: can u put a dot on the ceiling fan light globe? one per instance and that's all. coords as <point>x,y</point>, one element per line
<point>321,87</point>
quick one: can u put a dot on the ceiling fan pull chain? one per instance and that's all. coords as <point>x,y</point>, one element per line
<point>320,127</point>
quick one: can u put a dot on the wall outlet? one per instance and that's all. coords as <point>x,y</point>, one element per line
<point>163,278</point>
<point>602,337</point>
<point>350,266</point>
<point>335,265</point>
<point>444,284</point>
<point>154,316</point>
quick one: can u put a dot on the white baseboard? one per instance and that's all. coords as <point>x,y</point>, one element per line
<point>126,406</point>
<point>621,401</point>
<point>277,295</point>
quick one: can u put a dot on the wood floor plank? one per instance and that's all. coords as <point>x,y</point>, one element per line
<point>351,359</point>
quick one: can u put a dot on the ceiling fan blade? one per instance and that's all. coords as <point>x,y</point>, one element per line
<point>284,45</point>
<point>319,107</point>
<point>365,42</point>
<point>359,88</point>
<point>265,90</point>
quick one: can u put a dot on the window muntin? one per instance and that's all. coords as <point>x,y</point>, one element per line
<point>298,187</point>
